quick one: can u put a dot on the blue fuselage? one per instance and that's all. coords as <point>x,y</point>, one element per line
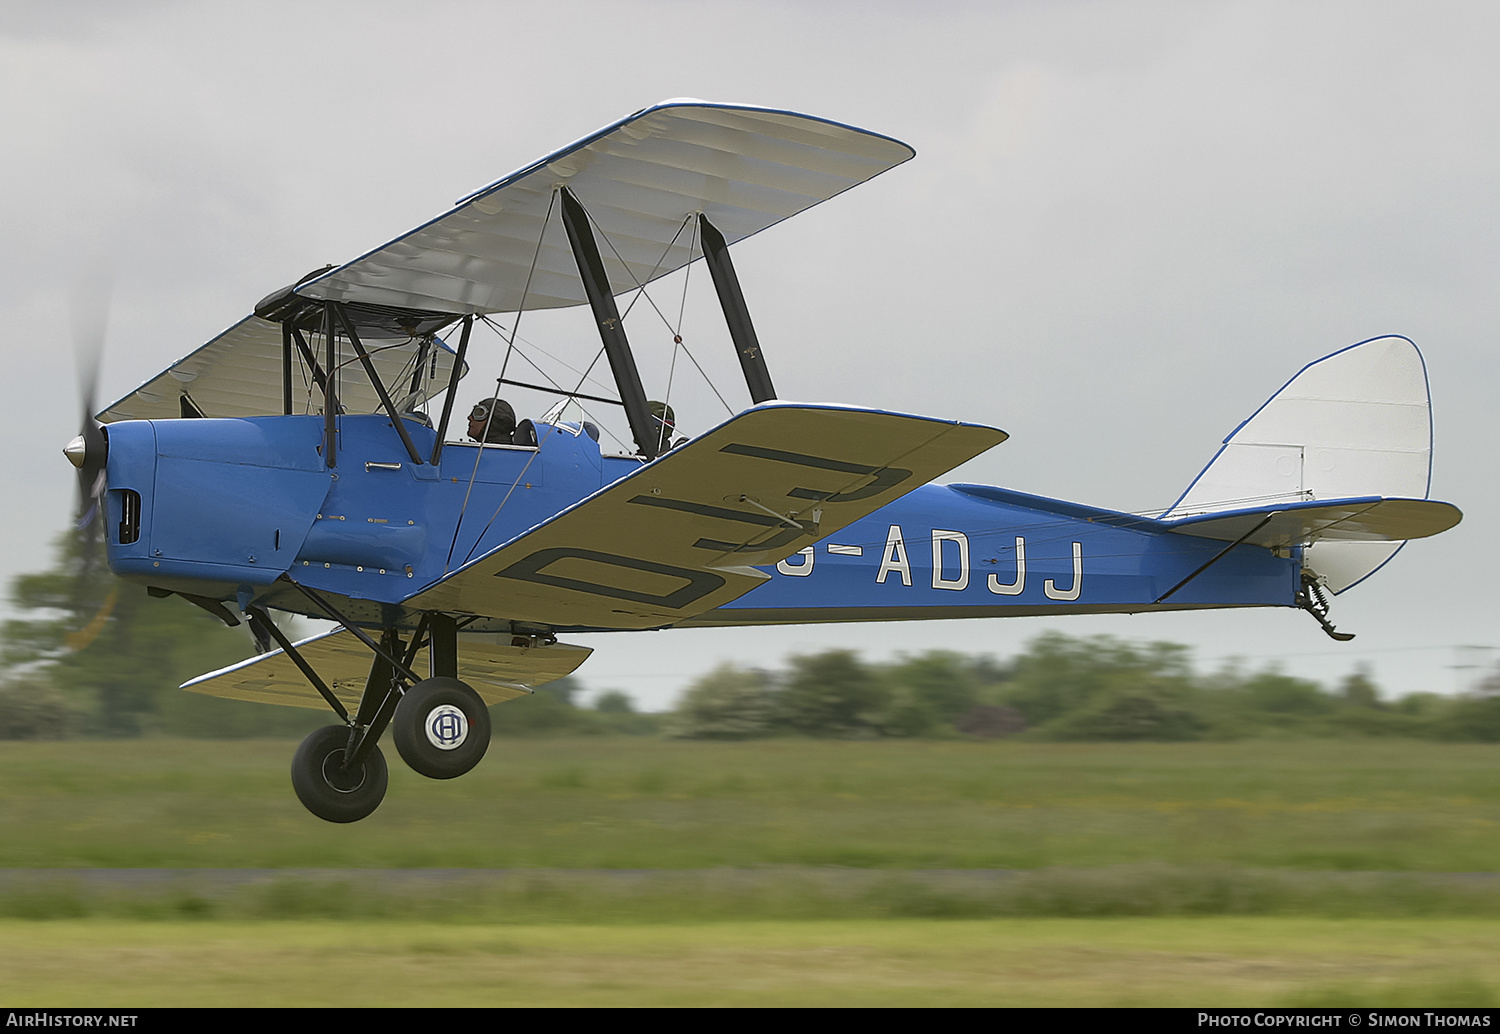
<point>225,508</point>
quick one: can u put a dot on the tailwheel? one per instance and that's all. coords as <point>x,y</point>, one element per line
<point>441,728</point>
<point>1312,600</point>
<point>329,790</point>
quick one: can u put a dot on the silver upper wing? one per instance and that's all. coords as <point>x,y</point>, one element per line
<point>641,180</point>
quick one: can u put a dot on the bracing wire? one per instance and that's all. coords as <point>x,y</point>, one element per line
<point>520,476</point>
<point>572,396</point>
<point>641,292</point>
<point>583,379</point>
<point>510,347</point>
<point>677,342</point>
<point>640,287</point>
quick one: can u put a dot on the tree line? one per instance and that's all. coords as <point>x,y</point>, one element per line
<point>89,655</point>
<point>1064,688</point>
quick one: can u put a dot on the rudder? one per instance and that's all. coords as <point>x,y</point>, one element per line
<point>1357,422</point>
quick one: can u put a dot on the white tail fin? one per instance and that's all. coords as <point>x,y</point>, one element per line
<point>1354,423</point>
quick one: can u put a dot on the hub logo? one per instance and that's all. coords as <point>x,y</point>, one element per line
<point>447,728</point>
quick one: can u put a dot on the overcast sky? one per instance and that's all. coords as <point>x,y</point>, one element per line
<point>1128,223</point>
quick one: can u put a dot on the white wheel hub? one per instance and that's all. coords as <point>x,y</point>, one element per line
<point>446,727</point>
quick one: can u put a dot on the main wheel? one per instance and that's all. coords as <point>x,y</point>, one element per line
<point>328,791</point>
<point>441,728</point>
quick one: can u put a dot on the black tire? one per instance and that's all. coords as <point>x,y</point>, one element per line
<point>441,728</point>
<point>329,794</point>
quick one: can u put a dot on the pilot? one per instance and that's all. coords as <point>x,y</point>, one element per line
<point>492,420</point>
<point>665,422</point>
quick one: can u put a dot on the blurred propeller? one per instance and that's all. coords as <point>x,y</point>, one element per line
<point>89,451</point>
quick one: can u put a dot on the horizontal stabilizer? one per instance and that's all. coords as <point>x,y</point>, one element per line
<point>1371,519</point>
<point>683,534</point>
<point>496,669</point>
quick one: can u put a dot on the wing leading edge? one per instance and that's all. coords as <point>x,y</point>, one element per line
<point>684,534</point>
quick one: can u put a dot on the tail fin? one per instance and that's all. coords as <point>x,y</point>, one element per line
<point>1354,423</point>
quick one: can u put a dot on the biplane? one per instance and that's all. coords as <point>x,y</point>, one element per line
<point>305,461</point>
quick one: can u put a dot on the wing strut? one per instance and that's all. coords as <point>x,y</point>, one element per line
<point>330,397</point>
<point>736,314</point>
<point>611,330</point>
<point>458,365</point>
<point>286,369</point>
<point>385,398</point>
<point>319,378</point>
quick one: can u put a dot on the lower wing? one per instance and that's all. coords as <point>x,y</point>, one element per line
<point>496,669</point>
<point>683,534</point>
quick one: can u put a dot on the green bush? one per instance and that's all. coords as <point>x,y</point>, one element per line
<point>32,710</point>
<point>728,703</point>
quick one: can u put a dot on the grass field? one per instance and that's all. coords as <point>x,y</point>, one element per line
<point>625,802</point>
<point>779,872</point>
<point>1074,962</point>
